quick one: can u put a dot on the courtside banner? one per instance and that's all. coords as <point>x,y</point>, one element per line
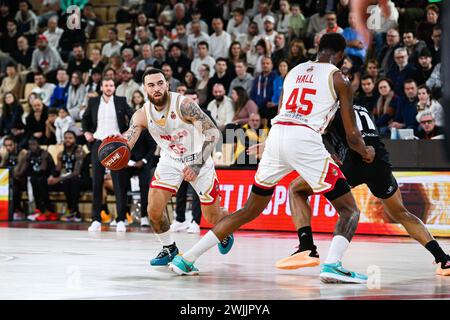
<point>426,194</point>
<point>4,194</point>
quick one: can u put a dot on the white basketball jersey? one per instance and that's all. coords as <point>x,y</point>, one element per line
<point>177,139</point>
<point>308,96</point>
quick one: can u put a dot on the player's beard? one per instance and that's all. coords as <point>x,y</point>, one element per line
<point>160,101</point>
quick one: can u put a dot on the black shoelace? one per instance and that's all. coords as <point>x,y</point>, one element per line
<point>164,252</point>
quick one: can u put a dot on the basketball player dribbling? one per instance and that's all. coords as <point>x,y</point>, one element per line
<point>186,136</point>
<point>309,100</point>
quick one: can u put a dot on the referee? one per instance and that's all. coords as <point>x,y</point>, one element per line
<point>106,115</point>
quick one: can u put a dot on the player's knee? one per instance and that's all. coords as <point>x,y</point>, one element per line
<point>154,215</point>
<point>211,217</point>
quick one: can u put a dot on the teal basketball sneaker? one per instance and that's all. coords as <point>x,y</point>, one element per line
<point>183,267</point>
<point>336,273</point>
<point>165,255</point>
<point>226,244</point>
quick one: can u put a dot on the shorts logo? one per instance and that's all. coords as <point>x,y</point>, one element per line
<point>335,173</point>
<point>173,116</point>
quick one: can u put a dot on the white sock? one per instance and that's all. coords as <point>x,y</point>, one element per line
<point>338,246</point>
<point>165,238</point>
<point>208,241</point>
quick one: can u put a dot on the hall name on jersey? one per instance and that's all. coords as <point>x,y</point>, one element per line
<point>304,78</point>
<point>176,137</point>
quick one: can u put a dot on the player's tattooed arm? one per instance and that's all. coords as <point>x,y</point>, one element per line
<point>192,113</point>
<point>137,124</point>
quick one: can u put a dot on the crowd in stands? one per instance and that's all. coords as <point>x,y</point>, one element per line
<point>232,54</point>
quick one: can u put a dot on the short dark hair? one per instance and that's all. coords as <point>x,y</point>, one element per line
<point>242,61</point>
<point>33,139</point>
<point>366,77</point>
<point>108,79</point>
<point>113,30</point>
<point>11,64</point>
<point>53,111</point>
<point>71,132</point>
<point>108,69</point>
<point>221,59</point>
<point>332,41</point>
<point>410,31</point>
<point>10,138</point>
<point>410,80</point>
<point>424,86</point>
<point>151,71</point>
<point>239,10</point>
<point>158,45</point>
<point>220,18</point>
<point>190,91</point>
<point>175,44</point>
<point>61,69</point>
<point>203,43</point>
<point>11,20</point>
<point>39,73</point>
<point>76,45</point>
<point>437,27</point>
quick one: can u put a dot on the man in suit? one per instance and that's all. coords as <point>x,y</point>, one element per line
<point>106,115</point>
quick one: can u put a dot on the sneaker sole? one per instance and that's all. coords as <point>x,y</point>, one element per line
<point>442,272</point>
<point>180,272</point>
<point>298,260</point>
<point>327,277</point>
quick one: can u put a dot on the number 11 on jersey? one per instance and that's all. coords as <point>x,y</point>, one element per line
<point>305,106</point>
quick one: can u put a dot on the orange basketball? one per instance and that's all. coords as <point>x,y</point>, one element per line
<point>114,153</point>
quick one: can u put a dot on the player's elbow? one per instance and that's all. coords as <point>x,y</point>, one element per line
<point>353,138</point>
<point>213,135</point>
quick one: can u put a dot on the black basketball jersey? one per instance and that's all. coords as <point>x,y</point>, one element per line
<point>68,161</point>
<point>12,160</point>
<point>364,120</point>
<point>35,163</point>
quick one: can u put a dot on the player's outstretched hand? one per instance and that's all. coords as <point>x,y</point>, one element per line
<point>370,154</point>
<point>189,174</point>
<point>256,150</point>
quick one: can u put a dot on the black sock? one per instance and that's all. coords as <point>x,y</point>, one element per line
<point>171,246</point>
<point>306,239</point>
<point>436,251</point>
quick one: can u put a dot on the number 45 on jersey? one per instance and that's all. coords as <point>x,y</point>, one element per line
<point>303,105</point>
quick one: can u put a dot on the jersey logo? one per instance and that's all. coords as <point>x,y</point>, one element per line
<point>173,116</point>
<point>310,69</point>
